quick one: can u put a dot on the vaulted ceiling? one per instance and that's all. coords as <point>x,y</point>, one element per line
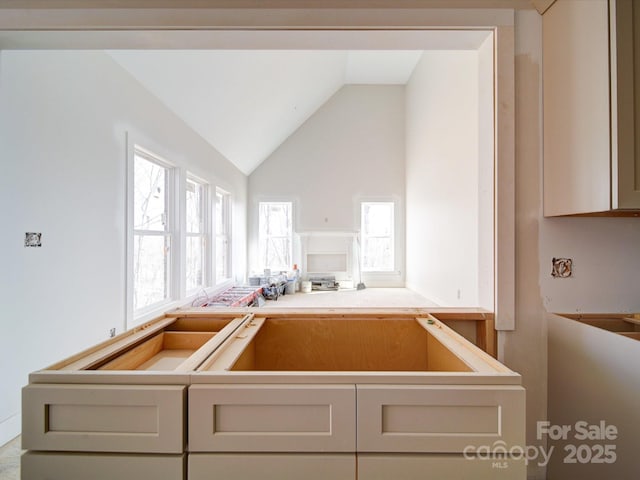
<point>246,103</point>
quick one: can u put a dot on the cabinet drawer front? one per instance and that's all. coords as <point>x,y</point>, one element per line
<point>82,466</point>
<point>272,466</point>
<point>103,418</point>
<point>444,419</point>
<point>436,466</point>
<point>270,418</point>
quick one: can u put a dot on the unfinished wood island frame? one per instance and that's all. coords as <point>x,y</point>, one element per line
<point>277,393</point>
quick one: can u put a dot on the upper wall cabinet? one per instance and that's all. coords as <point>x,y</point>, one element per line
<point>591,157</point>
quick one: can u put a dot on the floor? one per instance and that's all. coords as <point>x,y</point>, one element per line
<point>10,460</point>
<point>369,297</point>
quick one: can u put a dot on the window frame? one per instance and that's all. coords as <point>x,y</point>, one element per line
<point>172,285</point>
<point>260,262</point>
<point>391,236</point>
<point>204,234</point>
<point>226,209</point>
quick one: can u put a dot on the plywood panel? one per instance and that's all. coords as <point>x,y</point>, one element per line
<point>201,323</point>
<point>136,356</point>
<point>341,345</point>
<point>186,340</point>
<point>100,353</point>
<point>634,335</point>
<point>165,351</point>
<point>272,418</point>
<point>438,419</point>
<point>441,359</point>
<point>103,418</point>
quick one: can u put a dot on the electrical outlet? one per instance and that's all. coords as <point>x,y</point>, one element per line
<point>561,267</point>
<point>112,332</point>
<point>33,239</point>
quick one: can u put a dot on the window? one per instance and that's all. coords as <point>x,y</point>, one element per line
<point>377,236</point>
<point>195,235</point>
<point>223,232</point>
<point>152,230</point>
<point>275,229</point>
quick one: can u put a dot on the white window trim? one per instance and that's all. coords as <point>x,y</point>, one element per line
<point>206,235</point>
<point>133,318</point>
<point>227,207</point>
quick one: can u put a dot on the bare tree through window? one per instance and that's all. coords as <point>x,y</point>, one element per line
<point>275,235</point>
<point>377,236</point>
<point>151,235</point>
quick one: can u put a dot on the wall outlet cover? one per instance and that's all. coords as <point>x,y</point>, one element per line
<point>32,239</point>
<point>561,267</point>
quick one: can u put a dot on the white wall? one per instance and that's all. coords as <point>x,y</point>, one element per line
<point>606,264</point>
<point>442,166</point>
<point>350,150</point>
<point>63,120</point>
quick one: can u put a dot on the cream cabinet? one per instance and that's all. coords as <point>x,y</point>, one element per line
<point>73,466</point>
<point>272,466</point>
<point>591,161</point>
<point>257,393</point>
<point>272,418</point>
<point>104,418</point>
<point>118,410</point>
<point>438,466</point>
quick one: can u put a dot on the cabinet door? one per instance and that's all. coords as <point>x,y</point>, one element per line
<point>625,94</point>
<point>272,418</point>
<point>439,418</point>
<point>75,466</point>
<point>272,466</point>
<point>103,418</point>
<point>577,140</point>
<point>434,466</point>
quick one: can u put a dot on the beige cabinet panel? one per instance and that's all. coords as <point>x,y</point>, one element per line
<point>272,466</point>
<point>447,419</point>
<point>437,467</point>
<point>103,418</point>
<point>591,158</point>
<point>272,418</point>
<point>82,466</point>
<point>577,173</point>
<point>625,102</point>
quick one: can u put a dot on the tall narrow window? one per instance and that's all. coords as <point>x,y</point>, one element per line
<point>195,235</point>
<point>152,232</point>
<point>223,234</point>
<point>275,228</point>
<point>377,236</point>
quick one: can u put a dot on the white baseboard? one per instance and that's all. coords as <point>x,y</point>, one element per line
<point>10,428</point>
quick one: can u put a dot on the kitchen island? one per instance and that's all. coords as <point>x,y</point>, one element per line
<point>313,393</point>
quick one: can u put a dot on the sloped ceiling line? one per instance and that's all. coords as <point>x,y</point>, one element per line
<point>247,103</point>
